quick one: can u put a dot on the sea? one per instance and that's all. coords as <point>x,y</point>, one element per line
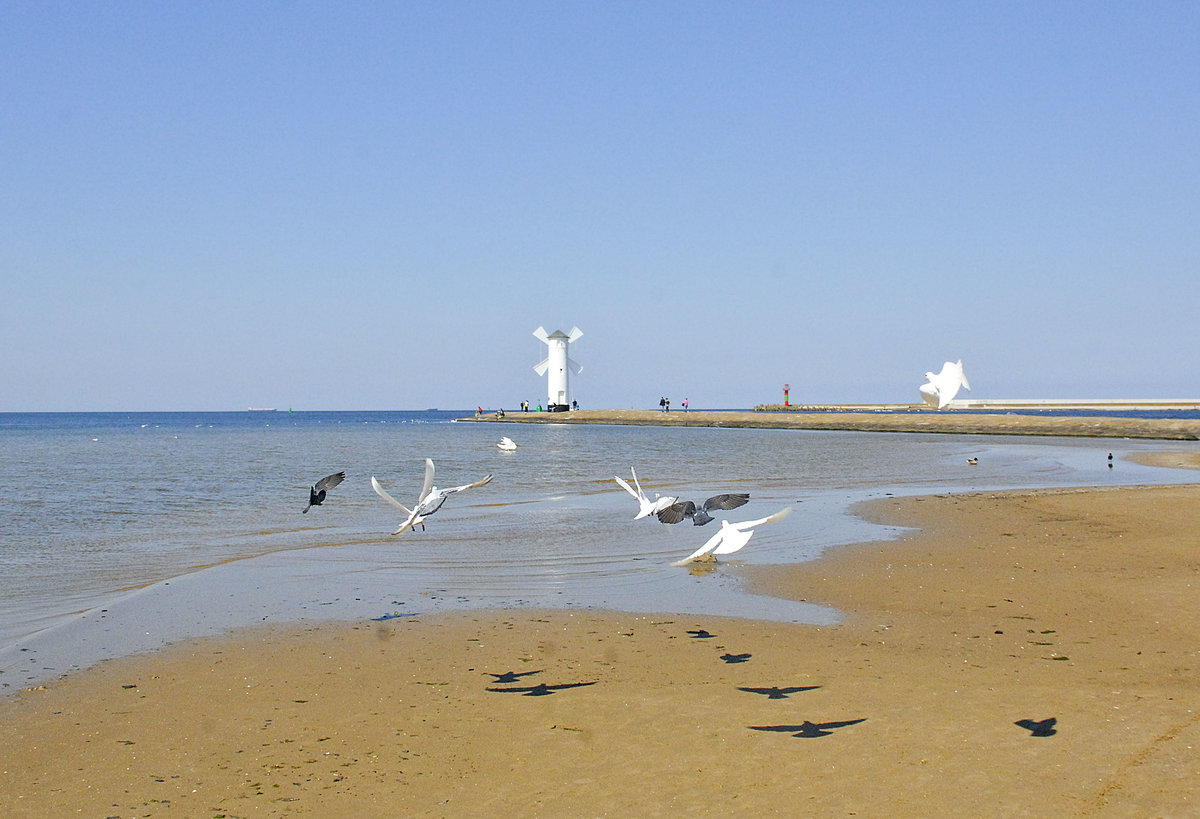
<point>124,532</point>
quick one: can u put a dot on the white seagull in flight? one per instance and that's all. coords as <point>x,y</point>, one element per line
<point>941,388</point>
<point>646,507</point>
<point>429,501</point>
<point>732,537</point>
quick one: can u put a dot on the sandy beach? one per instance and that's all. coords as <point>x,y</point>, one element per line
<point>1071,605</point>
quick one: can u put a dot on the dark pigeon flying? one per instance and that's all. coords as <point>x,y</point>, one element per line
<point>700,514</point>
<point>807,730</point>
<point>316,495</point>
<point>1039,728</point>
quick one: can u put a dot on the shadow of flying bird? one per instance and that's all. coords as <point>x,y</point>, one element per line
<point>807,730</point>
<point>541,689</point>
<point>318,491</point>
<point>701,634</point>
<point>736,658</point>
<point>700,515</point>
<point>777,693</point>
<point>1039,728</point>
<point>510,676</point>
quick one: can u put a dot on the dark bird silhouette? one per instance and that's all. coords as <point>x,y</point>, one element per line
<point>1039,728</point>
<point>701,634</point>
<point>510,676</point>
<point>541,689</point>
<point>736,658</point>
<point>807,730</point>
<point>776,693</point>
<point>700,514</point>
<point>316,495</point>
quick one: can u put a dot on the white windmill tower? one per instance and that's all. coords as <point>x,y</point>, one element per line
<point>557,363</point>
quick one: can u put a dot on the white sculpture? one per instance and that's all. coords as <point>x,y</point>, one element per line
<point>941,388</point>
<point>558,391</point>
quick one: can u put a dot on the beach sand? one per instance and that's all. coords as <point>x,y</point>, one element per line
<point>1076,605</point>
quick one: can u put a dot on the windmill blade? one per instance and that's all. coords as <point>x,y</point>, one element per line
<point>540,334</point>
<point>575,366</point>
<point>575,333</point>
<point>541,368</point>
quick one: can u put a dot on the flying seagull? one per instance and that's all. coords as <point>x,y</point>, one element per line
<point>316,495</point>
<point>646,507</point>
<point>700,514</point>
<point>507,444</point>
<point>732,537</point>
<point>429,501</point>
<point>941,388</point>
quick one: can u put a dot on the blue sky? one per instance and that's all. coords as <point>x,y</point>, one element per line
<point>373,205</point>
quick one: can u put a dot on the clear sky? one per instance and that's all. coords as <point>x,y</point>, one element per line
<point>217,205</point>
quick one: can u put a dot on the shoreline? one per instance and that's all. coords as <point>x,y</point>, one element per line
<point>948,422</point>
<point>999,607</point>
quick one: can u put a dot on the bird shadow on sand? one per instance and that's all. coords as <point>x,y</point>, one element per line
<point>736,658</point>
<point>541,689</point>
<point>807,730</point>
<point>1039,728</point>
<point>777,693</point>
<point>510,676</point>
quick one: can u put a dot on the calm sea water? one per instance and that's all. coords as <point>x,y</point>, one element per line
<point>120,532</point>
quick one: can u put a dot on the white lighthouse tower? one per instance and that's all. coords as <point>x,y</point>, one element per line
<point>558,393</point>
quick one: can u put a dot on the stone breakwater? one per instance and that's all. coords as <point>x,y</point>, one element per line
<point>950,422</point>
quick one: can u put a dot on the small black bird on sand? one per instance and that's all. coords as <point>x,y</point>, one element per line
<point>316,495</point>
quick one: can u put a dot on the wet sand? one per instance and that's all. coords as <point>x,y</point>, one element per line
<point>928,421</point>
<point>1074,605</point>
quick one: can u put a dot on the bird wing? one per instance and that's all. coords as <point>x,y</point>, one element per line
<point>727,501</point>
<point>676,512</point>
<point>428,485</point>
<point>636,482</point>
<point>485,480</point>
<point>709,545</point>
<point>750,524</point>
<point>381,492</point>
<point>329,481</point>
<point>627,488</point>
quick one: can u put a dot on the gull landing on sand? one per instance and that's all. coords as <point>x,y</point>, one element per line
<point>732,537</point>
<point>316,494</point>
<point>941,388</point>
<point>429,501</point>
<point>507,445</point>
<point>646,507</point>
